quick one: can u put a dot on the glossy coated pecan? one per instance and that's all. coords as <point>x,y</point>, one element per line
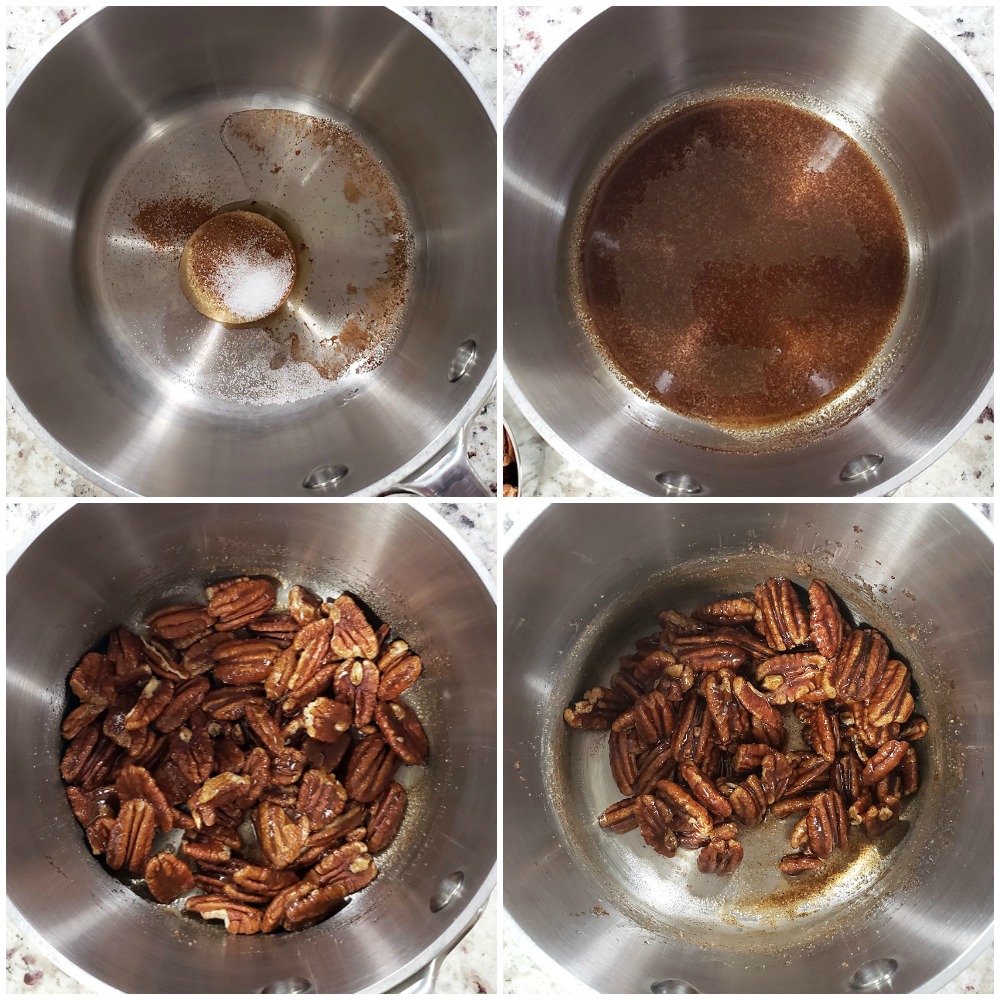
<point>826,624</point>
<point>386,818</point>
<point>245,661</point>
<point>353,637</point>
<point>321,798</point>
<point>402,731</point>
<point>598,709</point>
<point>732,611</point>
<point>720,857</point>
<point>153,699</point>
<point>704,791</point>
<point>398,668</point>
<point>78,720</point>
<point>891,700</point>
<point>653,816</point>
<point>93,680</point>
<point>729,716</point>
<point>181,624</point>
<point>771,725</point>
<point>684,804</point>
<point>239,918</point>
<point>370,768</point>
<point>826,824</point>
<point>620,816</point>
<point>749,801</point>
<point>798,864</point>
<point>624,769</point>
<point>780,618</point>
<point>281,838</point>
<point>860,664</point>
<point>137,783</point>
<point>653,765</point>
<point>822,732</point>
<point>239,601</point>
<point>186,698</point>
<point>791,678</point>
<point>909,773</point>
<point>712,656</point>
<point>130,840</point>
<point>884,761</point>
<point>914,729</point>
<point>303,606</point>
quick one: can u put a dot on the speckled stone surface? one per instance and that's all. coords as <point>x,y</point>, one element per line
<point>530,34</point>
<point>35,470</point>
<point>471,968</point>
<point>527,969</point>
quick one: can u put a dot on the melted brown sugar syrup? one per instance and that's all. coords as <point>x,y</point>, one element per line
<point>743,263</point>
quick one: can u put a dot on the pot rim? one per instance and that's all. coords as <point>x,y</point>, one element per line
<point>568,452</point>
<point>422,967</point>
<point>458,421</point>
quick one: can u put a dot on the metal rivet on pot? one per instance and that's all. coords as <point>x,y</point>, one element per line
<point>678,484</point>
<point>874,977</point>
<point>324,475</point>
<point>861,467</point>
<point>672,986</point>
<point>447,890</point>
<point>290,985</point>
<point>462,361</point>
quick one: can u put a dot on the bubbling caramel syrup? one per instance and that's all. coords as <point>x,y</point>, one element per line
<point>743,263</point>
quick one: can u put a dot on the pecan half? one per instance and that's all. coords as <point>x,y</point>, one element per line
<point>137,783</point>
<point>353,637</point>
<point>704,791</point>
<point>796,677</point>
<point>370,768</point>
<point>186,698</point>
<point>619,817</point>
<point>321,798</point>
<point>860,664</point>
<point>598,709</point>
<point>130,840</point>
<point>684,804</point>
<point>772,726</point>
<point>731,611</point>
<point>386,818</point>
<point>303,606</point>
<point>93,680</point>
<point>398,668</point>
<point>402,731</point>
<point>239,601</point>
<point>826,824</point>
<point>780,618</point>
<point>181,624</point>
<point>749,801</point>
<point>826,624</point>
<point>653,817</point>
<point>884,761</point>
<point>239,918</point>
<point>245,661</point>
<point>720,857</point>
<point>891,700</point>
<point>281,838</point>
<point>797,864</point>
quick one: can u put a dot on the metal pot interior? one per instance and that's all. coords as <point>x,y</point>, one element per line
<point>99,565</point>
<point>107,358</point>
<point>625,920</point>
<point>876,75</point>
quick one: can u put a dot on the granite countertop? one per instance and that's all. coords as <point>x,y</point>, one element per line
<point>527,969</point>
<point>33,469</point>
<point>530,34</point>
<point>470,968</point>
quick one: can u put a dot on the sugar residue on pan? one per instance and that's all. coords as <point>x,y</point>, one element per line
<point>347,220</point>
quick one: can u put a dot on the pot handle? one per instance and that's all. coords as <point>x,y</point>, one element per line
<point>448,474</point>
<point>425,981</point>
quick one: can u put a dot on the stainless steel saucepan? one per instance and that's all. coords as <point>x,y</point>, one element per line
<point>922,113</point>
<point>582,582</point>
<point>102,564</point>
<point>107,361</point>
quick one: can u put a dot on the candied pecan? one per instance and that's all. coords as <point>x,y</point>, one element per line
<point>676,624</point>
<point>130,840</point>
<point>402,731</point>
<point>239,601</point>
<point>245,661</point>
<point>879,817</point>
<point>78,752</point>
<point>93,680</point>
<point>265,727</point>
<point>624,768</point>
<point>771,723</point>
<point>653,816</point>
<point>94,804</point>
<point>796,677</point>
<point>113,726</point>
<point>826,824</point>
<point>197,658</point>
<point>317,904</point>
<point>216,792</point>
<point>326,756</point>
<point>826,624</point>
<point>684,804</point>
<point>688,726</point>
<point>137,783</point>
<point>161,662</point>
<point>704,791</point>
<point>846,777</point>
<point>891,700</point>
<point>370,768</point>
<point>731,611</point>
<point>398,668</point>
<point>281,838</point>
<point>619,817</point>
<point>98,831</point>
<point>796,864</point>
<point>386,818</point>
<point>353,637</point>
<point>312,646</point>
<point>775,775</point>
<point>351,858</point>
<point>206,849</point>
<point>181,624</point>
<point>884,761</point>
<point>239,918</point>
<point>749,801</point>
<point>125,651</point>
<point>654,666</point>
<point>186,698</point>
<point>279,627</point>
<point>320,841</point>
<point>78,720</point>
<point>822,732</point>
<point>720,857</point>
<point>791,804</point>
<point>653,765</point>
<point>749,755</point>
<point>914,729</point>
<point>780,618</point>
<point>265,883</point>
<point>709,656</point>
<point>154,698</point>
<point>909,772</point>
<point>675,688</point>
<point>303,606</point>
<point>288,766</point>
<point>321,681</point>
<point>810,772</point>
<point>597,710</point>
<point>860,664</point>
<point>728,715</point>
<point>361,688</point>
<point>321,798</point>
<point>256,766</point>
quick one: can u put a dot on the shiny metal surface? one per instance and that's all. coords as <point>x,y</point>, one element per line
<point>100,564</point>
<point>625,920</point>
<point>108,377</point>
<point>924,116</point>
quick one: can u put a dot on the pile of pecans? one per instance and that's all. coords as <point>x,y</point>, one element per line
<point>698,742</point>
<point>270,739</point>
